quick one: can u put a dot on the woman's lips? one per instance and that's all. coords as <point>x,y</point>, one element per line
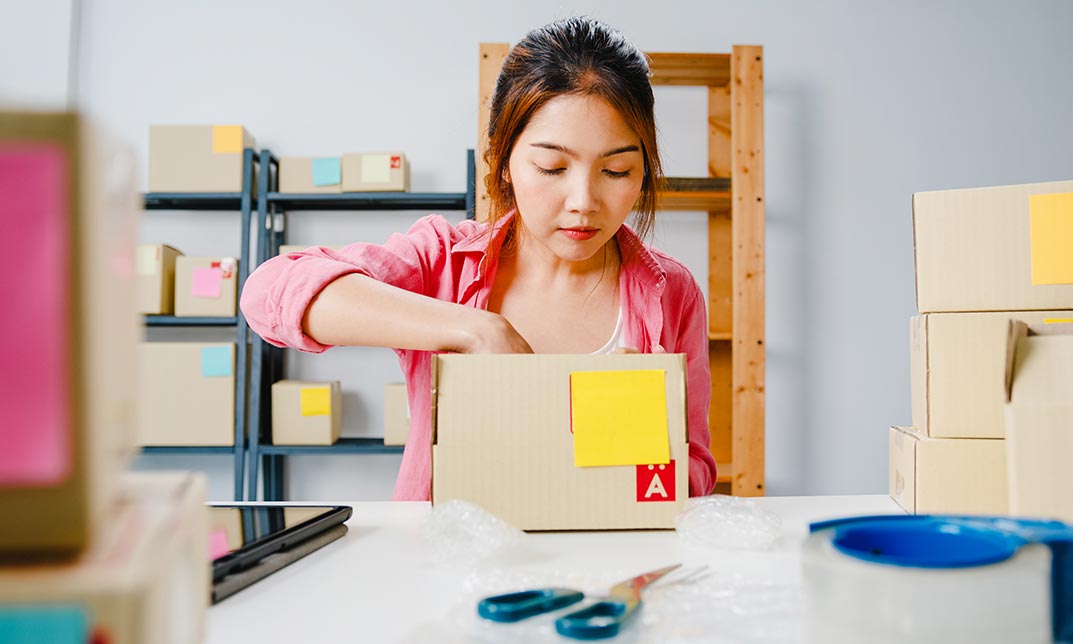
<point>579,234</point>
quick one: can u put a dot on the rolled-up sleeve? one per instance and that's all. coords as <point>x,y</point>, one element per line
<point>277,294</point>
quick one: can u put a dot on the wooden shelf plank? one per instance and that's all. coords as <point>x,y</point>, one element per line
<point>720,336</point>
<point>712,70</point>
<point>726,473</point>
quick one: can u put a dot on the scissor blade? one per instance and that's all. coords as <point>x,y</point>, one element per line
<point>630,589</point>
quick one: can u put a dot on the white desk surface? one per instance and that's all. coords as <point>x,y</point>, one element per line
<point>382,582</point>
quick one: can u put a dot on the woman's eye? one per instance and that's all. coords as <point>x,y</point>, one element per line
<point>550,171</point>
<point>617,175</point>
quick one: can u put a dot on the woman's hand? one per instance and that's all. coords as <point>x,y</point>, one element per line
<point>492,333</point>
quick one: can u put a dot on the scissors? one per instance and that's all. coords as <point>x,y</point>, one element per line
<point>600,620</point>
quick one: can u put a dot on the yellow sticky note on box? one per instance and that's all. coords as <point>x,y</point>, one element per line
<point>226,139</point>
<point>1051,232</point>
<point>316,401</point>
<point>619,417</point>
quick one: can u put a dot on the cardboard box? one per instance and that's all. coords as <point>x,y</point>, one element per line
<point>1039,420</point>
<point>206,286</point>
<point>947,475</point>
<point>306,413</point>
<point>376,172</point>
<point>145,580</point>
<point>155,266</point>
<point>396,414</point>
<point>311,175</point>
<point>197,158</point>
<point>186,393</point>
<point>994,249</point>
<point>506,435</point>
<point>69,330</point>
<point>956,363</point>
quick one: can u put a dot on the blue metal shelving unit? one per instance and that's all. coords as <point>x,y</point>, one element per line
<point>267,361</point>
<point>243,202</point>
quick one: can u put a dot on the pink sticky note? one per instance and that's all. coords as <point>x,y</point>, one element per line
<point>218,543</point>
<point>206,282</point>
<point>35,420</point>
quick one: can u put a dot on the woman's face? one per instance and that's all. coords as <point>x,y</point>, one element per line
<point>576,170</point>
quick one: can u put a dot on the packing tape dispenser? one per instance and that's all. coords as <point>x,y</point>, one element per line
<point>936,579</point>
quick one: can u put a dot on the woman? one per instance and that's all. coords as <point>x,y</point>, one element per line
<point>572,151</point>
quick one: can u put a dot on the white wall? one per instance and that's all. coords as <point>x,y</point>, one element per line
<point>865,104</point>
<point>35,53</point>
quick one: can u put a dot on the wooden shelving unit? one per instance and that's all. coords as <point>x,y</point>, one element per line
<point>733,196</point>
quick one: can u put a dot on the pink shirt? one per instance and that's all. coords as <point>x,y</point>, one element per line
<point>662,305</point>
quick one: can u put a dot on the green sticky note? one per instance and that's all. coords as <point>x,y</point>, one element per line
<point>327,172</point>
<point>56,624</point>
<point>216,362</point>
<point>1051,236</point>
<point>619,417</point>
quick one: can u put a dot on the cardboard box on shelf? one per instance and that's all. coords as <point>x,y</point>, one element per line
<point>145,580</point>
<point>947,475</point>
<point>994,249</point>
<point>311,175</point>
<point>1039,420</point>
<point>396,414</point>
<point>206,286</point>
<point>306,413</point>
<point>376,172</point>
<point>562,442</point>
<point>69,332</point>
<point>155,267</point>
<point>197,158</point>
<point>956,365</point>
<point>186,393</point>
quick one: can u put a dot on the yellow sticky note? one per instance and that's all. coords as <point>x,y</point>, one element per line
<point>375,168</point>
<point>145,260</point>
<point>1051,232</point>
<point>316,401</point>
<point>226,139</point>
<point>1057,320</point>
<point>619,417</point>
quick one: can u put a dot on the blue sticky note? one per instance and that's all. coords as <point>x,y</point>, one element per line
<point>58,624</point>
<point>216,362</point>
<point>326,172</point>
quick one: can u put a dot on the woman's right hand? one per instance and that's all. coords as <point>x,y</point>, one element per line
<point>493,333</point>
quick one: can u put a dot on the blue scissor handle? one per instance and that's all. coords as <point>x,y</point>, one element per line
<point>515,606</point>
<point>600,620</point>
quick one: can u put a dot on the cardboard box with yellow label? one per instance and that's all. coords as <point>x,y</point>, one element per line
<point>311,175</point>
<point>197,158</point>
<point>947,475</point>
<point>186,393</point>
<point>306,413</point>
<point>1039,420</point>
<point>562,442</point>
<point>376,172</point>
<point>155,267</point>
<point>994,249</point>
<point>70,328</point>
<point>206,286</point>
<point>957,360</point>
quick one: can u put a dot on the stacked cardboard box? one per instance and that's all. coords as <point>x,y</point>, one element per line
<point>306,413</point>
<point>357,172</point>
<point>155,266</point>
<point>984,257</point>
<point>86,554</point>
<point>197,158</point>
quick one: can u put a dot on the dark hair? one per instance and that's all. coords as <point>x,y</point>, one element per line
<point>578,56</point>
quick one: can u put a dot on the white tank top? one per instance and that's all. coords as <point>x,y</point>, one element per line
<point>617,341</point>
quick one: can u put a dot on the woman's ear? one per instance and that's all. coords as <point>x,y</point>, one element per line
<point>506,175</point>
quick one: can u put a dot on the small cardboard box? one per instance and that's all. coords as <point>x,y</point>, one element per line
<point>947,475</point>
<point>69,330</point>
<point>994,249</point>
<point>376,172</point>
<point>145,580</point>
<point>206,286</point>
<point>396,414</point>
<point>197,158</point>
<point>306,413</point>
<point>311,175</point>
<point>956,360</point>
<point>508,430</point>
<point>186,393</point>
<point>1039,420</point>
<point>155,266</point>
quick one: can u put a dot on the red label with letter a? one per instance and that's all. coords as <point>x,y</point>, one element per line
<point>655,482</point>
<point>396,162</point>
